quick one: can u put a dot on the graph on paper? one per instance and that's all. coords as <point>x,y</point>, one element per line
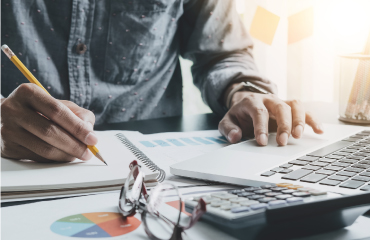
<point>183,141</point>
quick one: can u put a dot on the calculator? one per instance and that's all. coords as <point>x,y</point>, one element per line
<point>280,211</point>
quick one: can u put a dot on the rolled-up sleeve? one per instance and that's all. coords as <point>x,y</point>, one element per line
<point>214,38</point>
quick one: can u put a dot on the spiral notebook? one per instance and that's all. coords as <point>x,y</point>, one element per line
<point>28,179</point>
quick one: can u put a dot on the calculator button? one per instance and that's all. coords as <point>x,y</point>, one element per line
<point>262,191</point>
<point>278,189</point>
<point>248,202</point>
<point>283,184</point>
<point>283,196</point>
<point>365,188</point>
<point>251,189</point>
<point>258,206</point>
<point>236,191</point>
<point>361,178</point>
<point>286,170</point>
<point>268,186</point>
<point>313,178</point>
<point>273,194</point>
<point>286,165</point>
<point>338,178</point>
<point>294,200</point>
<point>277,203</point>
<point>352,184</point>
<point>330,182</point>
<point>228,206</point>
<point>238,200</point>
<point>209,199</point>
<point>308,158</point>
<point>325,172</point>
<point>266,199</point>
<point>306,189</point>
<point>289,191</point>
<point>240,209</point>
<point>223,196</point>
<point>345,173</point>
<point>255,197</point>
<point>317,192</point>
<point>218,203</point>
<point>294,187</point>
<point>301,194</point>
<point>245,194</point>
<point>267,174</point>
<point>297,174</point>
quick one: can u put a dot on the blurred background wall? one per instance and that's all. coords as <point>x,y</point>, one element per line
<point>296,44</point>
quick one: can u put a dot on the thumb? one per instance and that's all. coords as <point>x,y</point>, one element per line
<point>229,129</point>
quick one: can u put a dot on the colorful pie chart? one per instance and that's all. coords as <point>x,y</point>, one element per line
<point>95,225</point>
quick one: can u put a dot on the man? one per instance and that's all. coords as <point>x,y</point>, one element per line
<point>119,59</point>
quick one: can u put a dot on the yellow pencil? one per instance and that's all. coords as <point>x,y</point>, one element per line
<point>32,79</point>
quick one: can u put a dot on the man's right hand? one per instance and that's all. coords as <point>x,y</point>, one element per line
<point>26,134</point>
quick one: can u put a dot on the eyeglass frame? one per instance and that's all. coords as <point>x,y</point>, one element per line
<point>142,207</point>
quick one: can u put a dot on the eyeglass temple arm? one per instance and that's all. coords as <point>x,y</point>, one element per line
<point>198,211</point>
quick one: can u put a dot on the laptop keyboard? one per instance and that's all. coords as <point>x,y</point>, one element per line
<point>345,163</point>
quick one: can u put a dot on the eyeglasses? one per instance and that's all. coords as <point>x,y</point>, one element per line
<point>158,224</point>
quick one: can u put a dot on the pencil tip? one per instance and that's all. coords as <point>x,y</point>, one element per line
<point>100,158</point>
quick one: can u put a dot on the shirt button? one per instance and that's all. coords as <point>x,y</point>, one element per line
<point>81,48</point>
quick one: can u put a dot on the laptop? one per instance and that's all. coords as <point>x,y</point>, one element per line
<point>336,161</point>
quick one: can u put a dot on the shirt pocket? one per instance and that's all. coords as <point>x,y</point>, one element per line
<point>135,39</point>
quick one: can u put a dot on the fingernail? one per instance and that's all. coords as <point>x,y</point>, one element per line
<point>87,155</point>
<point>231,133</point>
<point>91,139</point>
<point>90,126</point>
<point>262,139</point>
<point>283,138</point>
<point>298,130</point>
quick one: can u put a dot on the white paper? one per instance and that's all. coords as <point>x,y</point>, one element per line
<point>35,219</point>
<point>28,175</point>
<point>165,149</point>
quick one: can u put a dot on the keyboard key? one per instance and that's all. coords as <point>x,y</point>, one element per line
<point>267,186</point>
<point>308,158</point>
<point>340,164</point>
<point>278,189</point>
<point>338,178</point>
<point>287,165</point>
<point>340,153</point>
<point>277,203</point>
<point>262,191</point>
<point>313,178</point>
<point>319,164</point>
<point>297,174</point>
<point>348,174</point>
<point>251,189</point>
<point>364,166</point>
<point>309,167</point>
<point>240,209</point>
<point>284,196</point>
<point>356,170</point>
<point>365,188</point>
<point>255,197</point>
<point>267,174</point>
<point>322,152</point>
<point>289,191</point>
<point>350,139</point>
<point>294,200</point>
<point>326,172</point>
<point>258,206</point>
<point>352,184</point>
<point>298,162</point>
<point>366,174</point>
<point>286,170</point>
<point>361,178</point>
<point>355,157</point>
<point>273,194</point>
<point>277,169</point>
<point>328,160</point>
<point>365,162</point>
<point>248,203</point>
<point>333,168</point>
<point>301,194</point>
<point>349,150</point>
<point>266,199</point>
<point>351,161</point>
<point>330,182</point>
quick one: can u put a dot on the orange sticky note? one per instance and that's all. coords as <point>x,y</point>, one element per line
<point>264,25</point>
<point>300,25</point>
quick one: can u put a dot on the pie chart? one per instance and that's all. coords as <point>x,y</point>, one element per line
<point>95,225</point>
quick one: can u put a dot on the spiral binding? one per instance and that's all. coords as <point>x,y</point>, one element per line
<point>142,157</point>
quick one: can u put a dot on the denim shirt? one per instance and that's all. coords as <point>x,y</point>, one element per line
<point>120,58</point>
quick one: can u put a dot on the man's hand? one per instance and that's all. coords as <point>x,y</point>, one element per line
<point>250,111</point>
<point>26,134</point>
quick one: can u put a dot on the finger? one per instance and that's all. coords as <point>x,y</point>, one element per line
<point>260,117</point>
<point>315,124</point>
<point>57,112</point>
<point>228,127</point>
<point>54,135</point>
<point>80,112</point>
<point>43,149</point>
<point>283,115</point>
<point>298,118</point>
